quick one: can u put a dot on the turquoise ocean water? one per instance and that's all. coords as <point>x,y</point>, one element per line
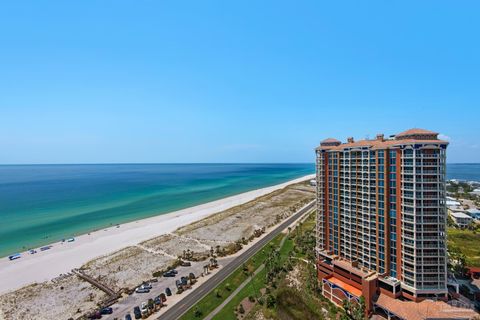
<point>40,204</point>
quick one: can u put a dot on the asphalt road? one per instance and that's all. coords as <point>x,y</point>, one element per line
<point>177,310</point>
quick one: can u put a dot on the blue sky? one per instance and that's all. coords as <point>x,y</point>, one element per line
<point>232,81</point>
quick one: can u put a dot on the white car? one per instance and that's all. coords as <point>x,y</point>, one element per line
<point>141,289</point>
<point>144,308</point>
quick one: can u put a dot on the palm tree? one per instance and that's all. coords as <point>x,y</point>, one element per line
<point>354,311</point>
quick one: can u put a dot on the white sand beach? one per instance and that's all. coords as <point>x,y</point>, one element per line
<point>63,257</point>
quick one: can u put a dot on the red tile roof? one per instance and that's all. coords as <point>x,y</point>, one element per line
<point>406,137</point>
<point>379,144</point>
<point>415,131</point>
<point>426,309</point>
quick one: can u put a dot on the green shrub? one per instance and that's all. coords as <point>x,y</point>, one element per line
<point>271,301</point>
<point>241,309</point>
<point>198,313</point>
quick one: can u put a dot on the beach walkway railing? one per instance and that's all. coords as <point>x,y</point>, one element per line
<point>95,283</point>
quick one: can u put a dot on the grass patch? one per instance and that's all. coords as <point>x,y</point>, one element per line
<point>212,300</point>
<point>467,242</point>
<point>253,288</point>
<point>294,305</point>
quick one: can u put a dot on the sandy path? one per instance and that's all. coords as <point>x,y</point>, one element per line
<point>64,257</point>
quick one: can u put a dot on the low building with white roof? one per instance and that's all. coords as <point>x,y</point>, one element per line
<point>461,219</point>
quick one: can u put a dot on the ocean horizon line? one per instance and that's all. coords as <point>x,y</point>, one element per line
<point>152,163</point>
<point>181,163</point>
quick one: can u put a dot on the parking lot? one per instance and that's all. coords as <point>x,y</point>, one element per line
<point>125,305</point>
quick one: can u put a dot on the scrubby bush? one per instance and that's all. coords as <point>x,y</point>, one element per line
<point>198,313</point>
<point>241,310</point>
<point>271,301</point>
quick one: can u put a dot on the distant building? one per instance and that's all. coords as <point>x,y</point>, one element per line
<point>461,219</point>
<point>475,192</point>
<point>313,182</point>
<point>453,203</point>
<point>474,213</point>
<point>381,218</point>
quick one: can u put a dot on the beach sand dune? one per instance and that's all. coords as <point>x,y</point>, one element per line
<point>126,268</point>
<point>51,300</point>
<point>177,246</point>
<point>122,258</point>
<point>241,221</point>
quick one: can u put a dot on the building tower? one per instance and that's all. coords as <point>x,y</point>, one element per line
<point>381,217</point>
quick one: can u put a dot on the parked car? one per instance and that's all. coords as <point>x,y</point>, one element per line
<point>15,256</point>
<point>168,292</point>
<point>169,274</point>
<point>174,271</point>
<point>147,285</point>
<point>142,290</point>
<point>137,312</point>
<point>191,275</point>
<point>144,309</point>
<point>128,316</point>
<point>184,280</point>
<point>158,301</point>
<point>185,264</point>
<point>96,315</point>
<point>178,283</point>
<point>107,310</point>
<point>32,251</point>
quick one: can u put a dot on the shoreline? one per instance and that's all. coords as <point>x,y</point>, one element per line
<point>63,257</point>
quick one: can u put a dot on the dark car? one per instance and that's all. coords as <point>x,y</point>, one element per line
<point>137,312</point>
<point>107,310</point>
<point>174,271</point>
<point>158,301</point>
<point>184,280</point>
<point>128,316</point>
<point>185,264</point>
<point>169,274</point>
<point>178,283</point>
<point>168,292</point>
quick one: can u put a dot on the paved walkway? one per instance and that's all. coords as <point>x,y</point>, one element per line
<point>236,291</point>
<point>178,309</point>
<point>95,283</point>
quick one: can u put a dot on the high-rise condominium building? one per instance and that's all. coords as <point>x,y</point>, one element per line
<point>381,217</point>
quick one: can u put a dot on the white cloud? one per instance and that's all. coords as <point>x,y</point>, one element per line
<point>442,136</point>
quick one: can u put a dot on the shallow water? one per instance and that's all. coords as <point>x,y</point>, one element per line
<point>41,204</point>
